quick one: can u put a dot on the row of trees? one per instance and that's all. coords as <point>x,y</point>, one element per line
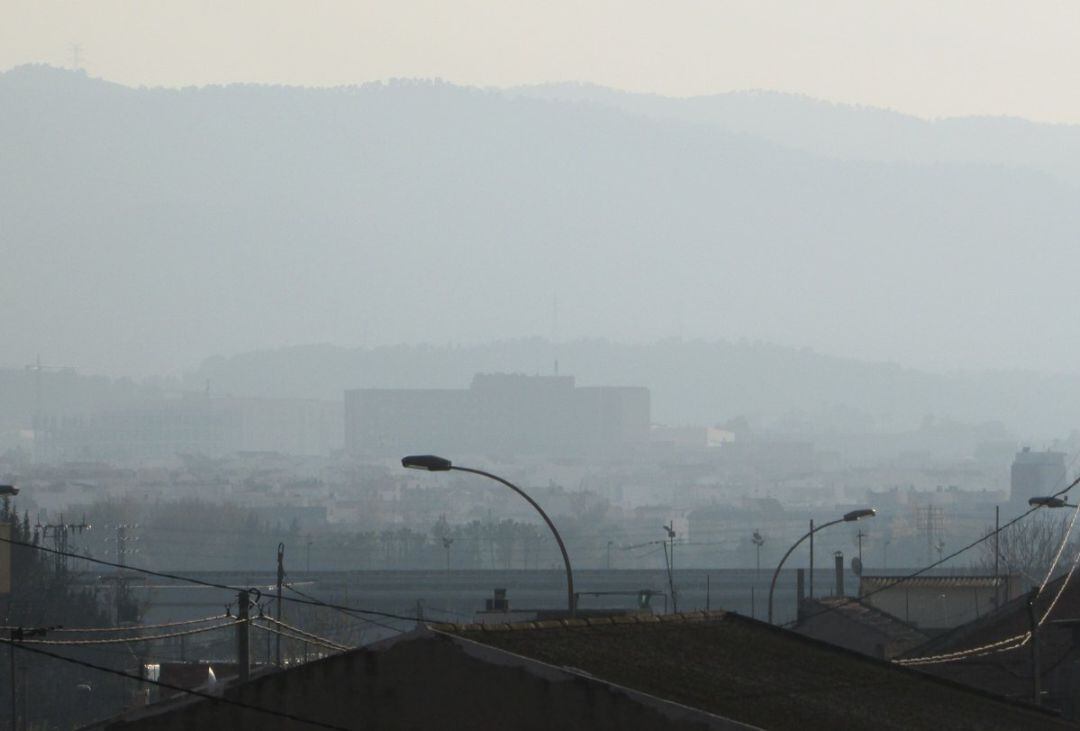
<point>52,693</point>
<point>199,535</point>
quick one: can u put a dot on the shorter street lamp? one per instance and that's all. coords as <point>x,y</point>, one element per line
<point>6,490</point>
<point>431,463</point>
<point>847,518</point>
<point>758,540</point>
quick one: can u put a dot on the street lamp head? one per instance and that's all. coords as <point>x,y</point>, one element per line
<point>1048,502</point>
<point>428,462</point>
<point>859,514</point>
<point>8,490</point>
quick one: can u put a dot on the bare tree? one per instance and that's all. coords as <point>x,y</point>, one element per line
<point>1028,546</point>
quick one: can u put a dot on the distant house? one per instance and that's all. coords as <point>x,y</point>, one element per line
<point>938,603</point>
<point>684,671</point>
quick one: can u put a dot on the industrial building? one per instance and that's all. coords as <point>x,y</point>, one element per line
<point>1036,474</point>
<point>498,415</point>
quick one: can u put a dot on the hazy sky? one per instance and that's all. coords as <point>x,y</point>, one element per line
<point>938,58</point>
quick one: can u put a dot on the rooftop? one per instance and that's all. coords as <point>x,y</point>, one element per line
<point>1004,665</point>
<point>754,673</point>
<point>892,633</point>
<point>878,583</point>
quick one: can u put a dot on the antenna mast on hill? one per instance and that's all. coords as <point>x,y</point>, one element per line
<point>554,318</point>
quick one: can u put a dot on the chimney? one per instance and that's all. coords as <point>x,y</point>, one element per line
<point>838,557</point>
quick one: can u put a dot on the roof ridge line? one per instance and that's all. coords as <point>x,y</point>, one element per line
<point>608,620</point>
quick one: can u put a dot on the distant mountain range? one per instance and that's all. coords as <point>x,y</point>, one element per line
<point>847,132</point>
<point>142,229</point>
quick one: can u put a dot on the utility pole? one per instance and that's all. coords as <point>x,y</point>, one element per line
<point>670,528</point>
<point>243,649</point>
<point>308,544</point>
<point>280,578</point>
<point>446,543</point>
<point>121,545</point>
<point>609,544</point>
<point>59,533</point>
<point>120,588</point>
<point>811,558</point>
<point>11,653</point>
<point>1036,689</point>
<point>859,536</point>
<point>997,554</point>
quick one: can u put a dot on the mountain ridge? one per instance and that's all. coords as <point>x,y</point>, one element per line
<point>143,229</point>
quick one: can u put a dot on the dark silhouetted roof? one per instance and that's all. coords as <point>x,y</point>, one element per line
<point>1005,668</point>
<point>754,673</point>
<point>817,618</point>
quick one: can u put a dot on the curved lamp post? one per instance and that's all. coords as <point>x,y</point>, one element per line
<point>847,518</point>
<point>431,463</point>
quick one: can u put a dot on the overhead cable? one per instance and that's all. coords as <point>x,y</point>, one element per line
<point>189,691</point>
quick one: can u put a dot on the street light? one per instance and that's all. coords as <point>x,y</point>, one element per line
<point>6,490</point>
<point>758,540</point>
<point>849,517</point>
<point>1049,502</point>
<point>431,463</point>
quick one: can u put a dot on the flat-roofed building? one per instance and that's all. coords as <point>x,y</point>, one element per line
<point>1036,474</point>
<point>499,414</point>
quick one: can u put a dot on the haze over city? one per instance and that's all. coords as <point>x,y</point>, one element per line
<point>338,337</point>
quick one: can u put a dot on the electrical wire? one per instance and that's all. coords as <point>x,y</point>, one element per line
<point>126,640</point>
<point>202,582</point>
<point>189,691</point>
<point>296,633</point>
<point>129,628</point>
<point>305,633</point>
<point>451,612</point>
<point>298,638</point>
<point>935,564</point>
<point>346,611</point>
<point>1018,640</point>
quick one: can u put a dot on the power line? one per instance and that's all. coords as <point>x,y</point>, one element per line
<point>170,686</point>
<point>997,646</point>
<point>1018,640</point>
<point>129,628</point>
<point>934,564</point>
<point>347,612</point>
<point>299,635</point>
<point>201,582</point>
<point>144,638</point>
